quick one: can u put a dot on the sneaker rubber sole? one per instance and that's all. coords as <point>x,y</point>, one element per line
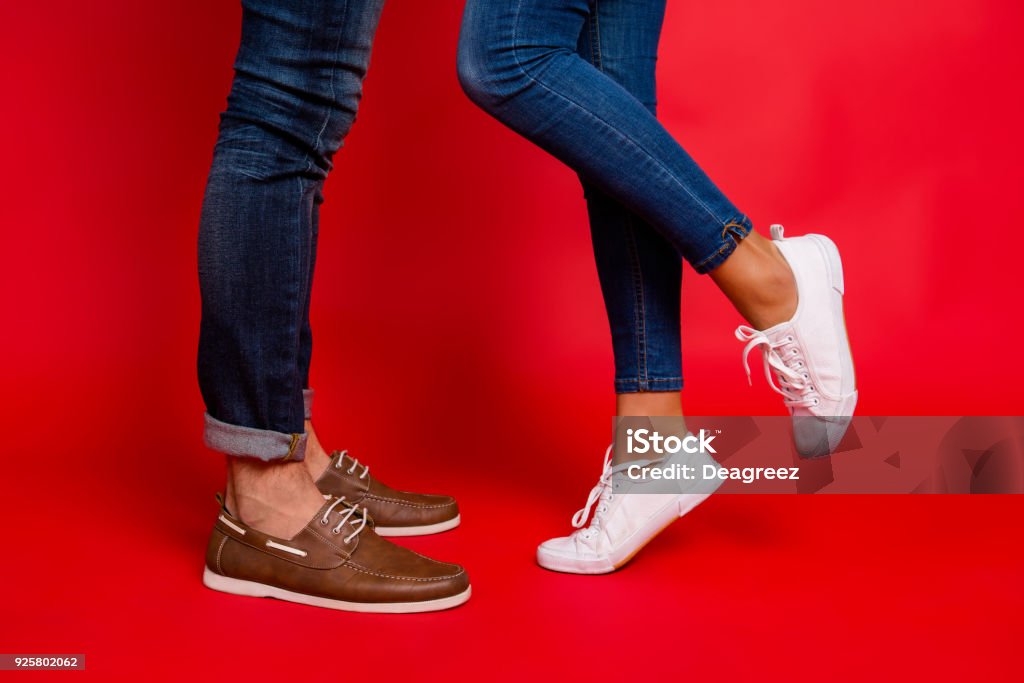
<point>658,522</point>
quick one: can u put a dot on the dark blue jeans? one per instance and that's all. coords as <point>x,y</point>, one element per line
<point>298,81</point>
<point>577,77</point>
<point>297,86</point>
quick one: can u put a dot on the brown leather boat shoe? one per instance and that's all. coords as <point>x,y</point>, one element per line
<point>394,513</point>
<point>336,561</point>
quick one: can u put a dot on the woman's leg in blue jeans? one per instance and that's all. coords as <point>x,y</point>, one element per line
<point>640,272</point>
<point>518,61</point>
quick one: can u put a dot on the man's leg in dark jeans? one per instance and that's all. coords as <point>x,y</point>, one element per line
<point>298,81</point>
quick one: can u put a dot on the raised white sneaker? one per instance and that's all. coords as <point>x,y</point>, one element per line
<point>628,515</point>
<point>809,355</point>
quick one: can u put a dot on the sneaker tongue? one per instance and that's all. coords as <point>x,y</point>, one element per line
<point>777,332</point>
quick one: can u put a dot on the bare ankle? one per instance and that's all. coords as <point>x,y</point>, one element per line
<point>317,458</point>
<point>759,282</point>
<point>776,298</point>
<point>275,498</point>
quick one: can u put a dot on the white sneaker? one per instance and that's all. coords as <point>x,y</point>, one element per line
<point>625,518</point>
<point>810,354</point>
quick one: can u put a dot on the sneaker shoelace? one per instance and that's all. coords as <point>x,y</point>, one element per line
<point>355,463</point>
<point>351,510</point>
<point>601,495</point>
<point>785,358</point>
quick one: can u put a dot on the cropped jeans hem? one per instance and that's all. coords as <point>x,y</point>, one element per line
<point>248,442</point>
<point>636,385</point>
<point>732,233</point>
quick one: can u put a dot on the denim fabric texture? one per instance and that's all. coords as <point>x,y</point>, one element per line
<point>297,85</point>
<point>577,78</point>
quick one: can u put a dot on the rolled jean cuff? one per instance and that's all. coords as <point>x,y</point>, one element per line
<point>247,442</point>
<point>307,403</point>
<point>635,385</point>
<point>732,233</point>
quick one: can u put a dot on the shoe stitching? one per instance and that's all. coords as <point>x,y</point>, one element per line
<point>294,560</point>
<point>345,551</point>
<point>365,570</point>
<point>350,497</point>
<point>347,563</point>
<point>404,502</point>
<point>220,549</point>
<point>438,562</point>
<point>343,475</point>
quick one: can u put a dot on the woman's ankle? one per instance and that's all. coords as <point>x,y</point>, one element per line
<point>655,411</point>
<point>759,282</point>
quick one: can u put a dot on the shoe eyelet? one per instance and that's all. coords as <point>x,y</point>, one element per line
<point>335,531</point>
<point>346,540</point>
<point>323,522</point>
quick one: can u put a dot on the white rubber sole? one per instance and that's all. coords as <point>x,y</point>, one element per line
<point>629,547</point>
<point>424,530</point>
<point>226,584</point>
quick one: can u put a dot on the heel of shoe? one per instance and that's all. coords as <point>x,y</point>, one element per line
<point>835,264</point>
<point>226,584</point>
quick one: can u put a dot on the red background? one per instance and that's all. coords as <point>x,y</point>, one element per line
<point>461,346</point>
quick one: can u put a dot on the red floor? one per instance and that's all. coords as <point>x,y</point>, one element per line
<point>103,554</point>
<point>461,346</point>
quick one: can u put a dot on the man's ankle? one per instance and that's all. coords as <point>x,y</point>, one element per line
<point>317,459</point>
<point>275,498</point>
